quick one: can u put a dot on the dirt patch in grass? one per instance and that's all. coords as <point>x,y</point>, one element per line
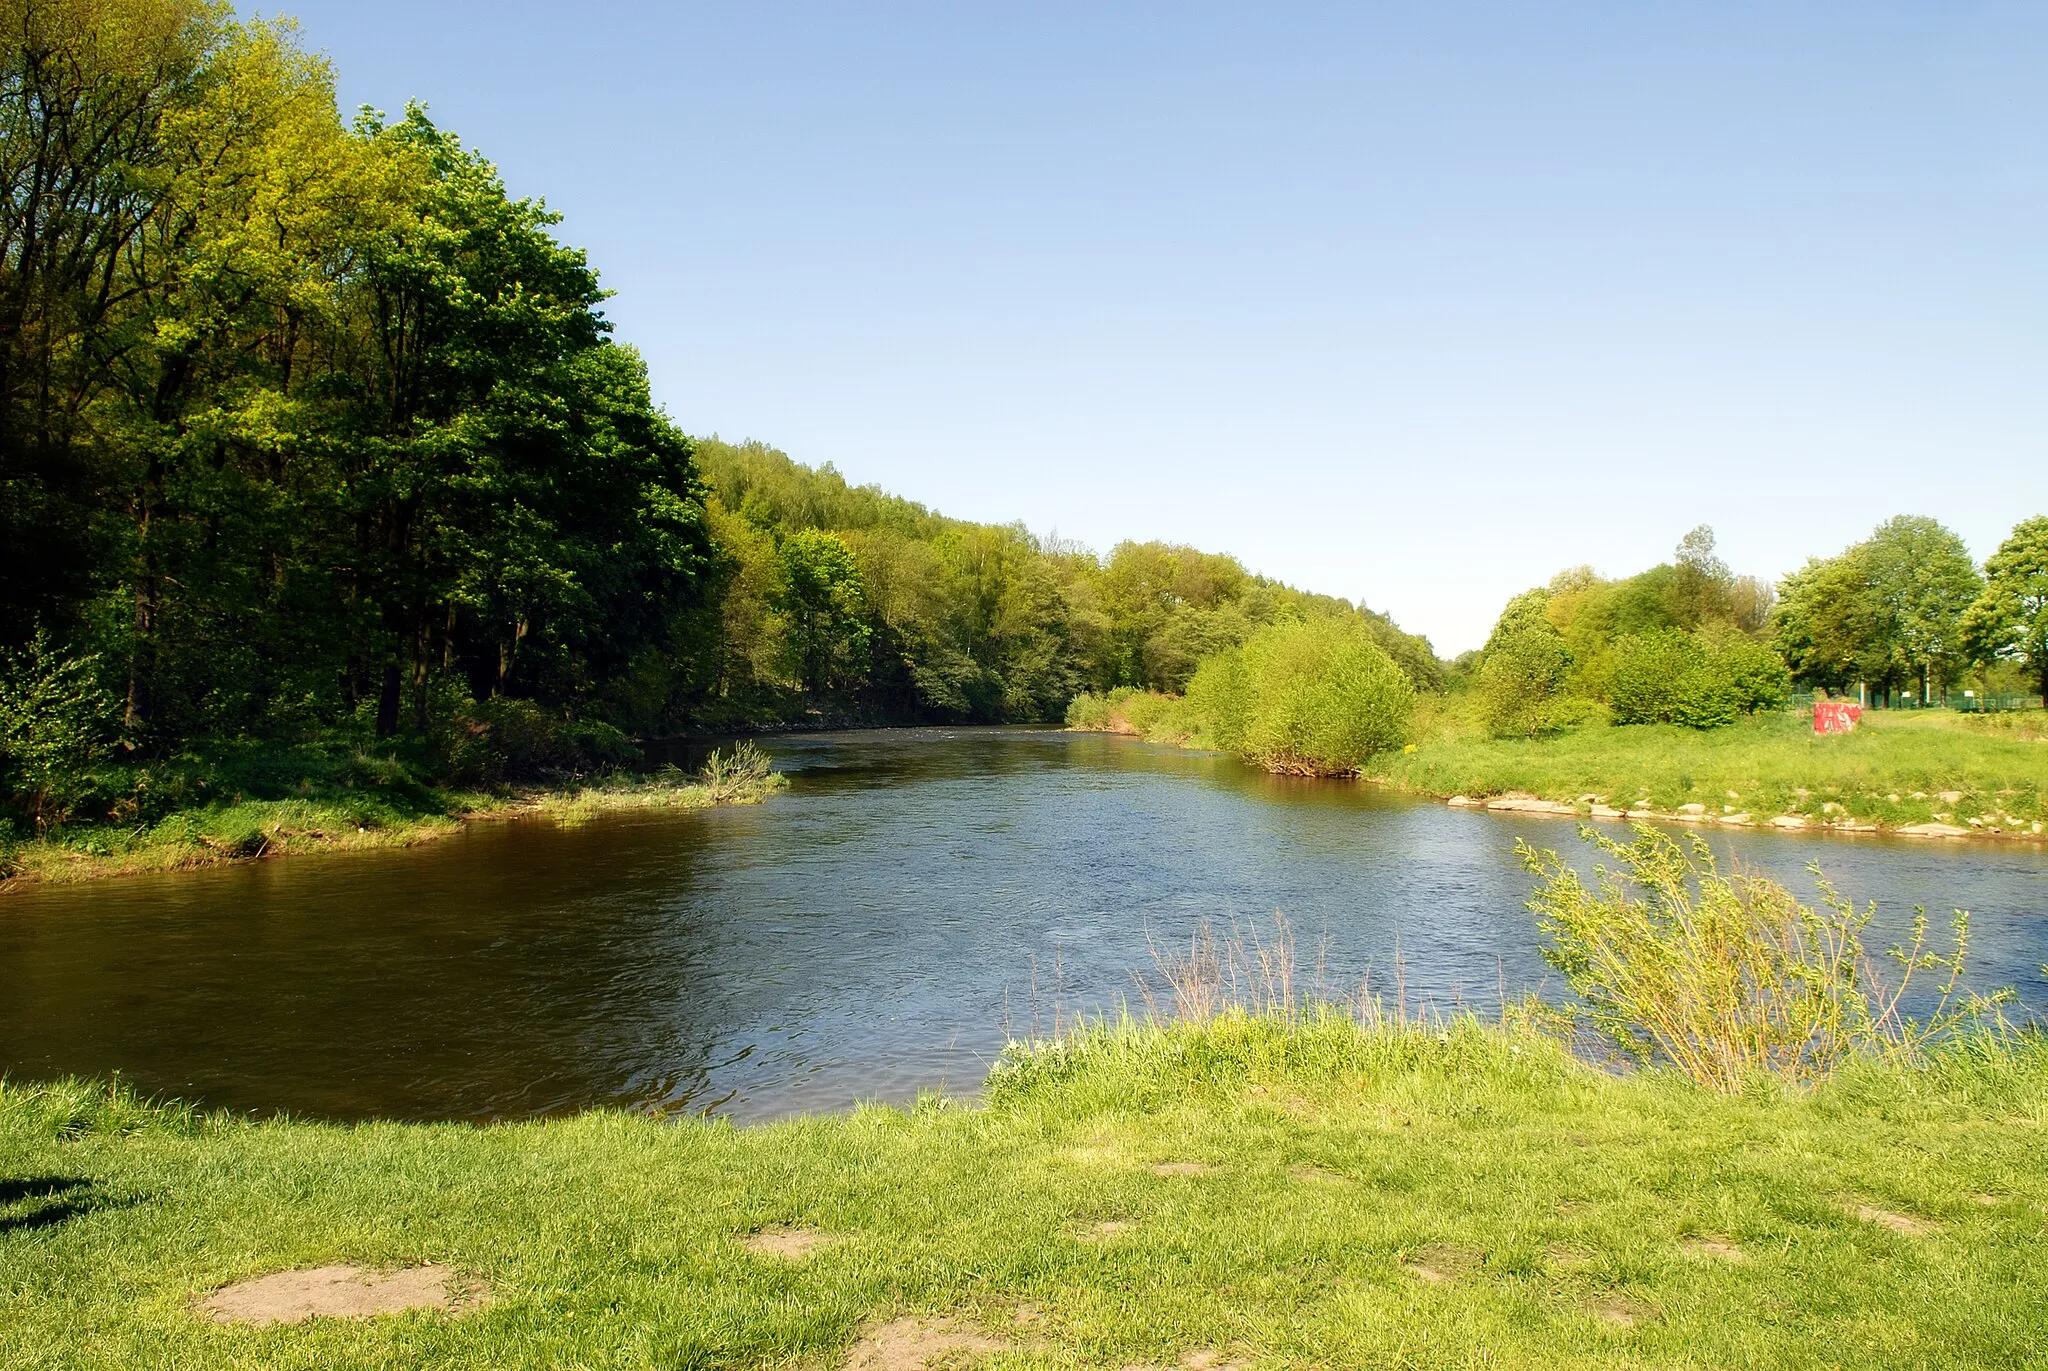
<point>1201,1359</point>
<point>1713,1249</point>
<point>339,1292</point>
<point>1566,1256</point>
<point>1106,1230</point>
<point>1311,1174</point>
<point>1623,1311</point>
<point>1183,1169</point>
<point>912,1343</point>
<point>1442,1261</point>
<point>1905,1225</point>
<point>786,1242</point>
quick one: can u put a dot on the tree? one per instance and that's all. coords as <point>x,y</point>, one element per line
<point>1523,671</point>
<point>87,88</point>
<point>823,603</point>
<point>1701,590</point>
<point>2010,617</point>
<point>1885,611</point>
<point>1924,578</point>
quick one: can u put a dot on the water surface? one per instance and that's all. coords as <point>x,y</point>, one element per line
<point>877,929</point>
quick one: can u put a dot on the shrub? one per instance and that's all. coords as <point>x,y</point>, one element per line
<point>1159,718</point>
<point>1314,697</point>
<point>1521,684</point>
<point>504,738</point>
<point>1729,978</point>
<point>742,773</point>
<point>1146,713</point>
<point>1092,713</point>
<point>1756,673</point>
<point>56,721</point>
<point>1673,677</point>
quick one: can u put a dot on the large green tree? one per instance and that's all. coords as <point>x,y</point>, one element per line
<point>1887,611</point>
<point>2010,617</point>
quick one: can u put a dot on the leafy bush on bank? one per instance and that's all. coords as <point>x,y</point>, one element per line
<point>1316,697</point>
<point>1670,676</point>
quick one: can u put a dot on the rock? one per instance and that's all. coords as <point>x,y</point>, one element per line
<point>1465,802</point>
<point>1741,820</point>
<point>1607,812</point>
<point>1933,831</point>
<point>1854,826</point>
<point>1692,809</point>
<point>1949,797</point>
<point>1521,804</point>
<point>1789,821</point>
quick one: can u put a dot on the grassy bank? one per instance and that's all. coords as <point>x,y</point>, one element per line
<point>1984,774</point>
<point>394,815</point>
<point>1244,1192</point>
<point>1975,774</point>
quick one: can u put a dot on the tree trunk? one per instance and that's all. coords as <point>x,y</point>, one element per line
<point>388,701</point>
<point>141,654</point>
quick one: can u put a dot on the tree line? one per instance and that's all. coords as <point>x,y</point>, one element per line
<point>1905,615</point>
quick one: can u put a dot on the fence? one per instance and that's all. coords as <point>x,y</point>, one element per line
<point>1801,702</point>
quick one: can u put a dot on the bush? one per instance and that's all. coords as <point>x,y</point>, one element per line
<point>1315,697</point>
<point>506,739</point>
<point>1729,978</point>
<point>742,773</point>
<point>1092,713</point>
<point>56,721</point>
<point>1521,684</point>
<point>1757,674</point>
<point>1674,677</point>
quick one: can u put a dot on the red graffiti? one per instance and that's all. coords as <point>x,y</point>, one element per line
<point>1835,716</point>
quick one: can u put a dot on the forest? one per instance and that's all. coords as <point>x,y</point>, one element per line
<point>315,442</point>
<point>316,448</point>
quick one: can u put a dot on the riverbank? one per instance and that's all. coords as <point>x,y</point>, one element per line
<point>1925,774</point>
<point>1929,773</point>
<point>1238,1194</point>
<point>254,830</point>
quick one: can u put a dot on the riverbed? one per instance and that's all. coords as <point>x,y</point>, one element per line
<point>913,899</point>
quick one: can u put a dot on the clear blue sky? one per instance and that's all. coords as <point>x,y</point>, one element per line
<point>1411,303</point>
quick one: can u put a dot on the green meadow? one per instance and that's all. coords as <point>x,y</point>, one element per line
<point>1253,1192</point>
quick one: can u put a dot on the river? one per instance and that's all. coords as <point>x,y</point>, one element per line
<point>878,929</point>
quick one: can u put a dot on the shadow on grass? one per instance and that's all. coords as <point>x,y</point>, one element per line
<point>35,1203</point>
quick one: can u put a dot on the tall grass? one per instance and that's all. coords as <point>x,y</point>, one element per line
<point>1728,977</point>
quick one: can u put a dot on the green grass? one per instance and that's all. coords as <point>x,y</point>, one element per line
<point>1891,771</point>
<point>248,829</point>
<point>1546,1195</point>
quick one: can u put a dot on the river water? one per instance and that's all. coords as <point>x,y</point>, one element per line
<point>915,897</point>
